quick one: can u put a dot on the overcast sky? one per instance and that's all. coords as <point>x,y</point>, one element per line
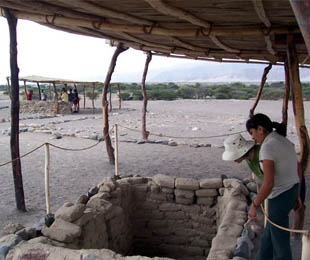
<point>52,53</point>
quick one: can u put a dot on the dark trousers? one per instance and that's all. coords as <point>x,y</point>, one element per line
<point>275,242</point>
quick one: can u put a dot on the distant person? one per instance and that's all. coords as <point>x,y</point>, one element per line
<point>29,94</point>
<point>76,101</point>
<point>43,96</point>
<point>64,95</point>
<point>71,96</point>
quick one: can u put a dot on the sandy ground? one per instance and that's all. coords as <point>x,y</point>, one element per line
<point>73,173</point>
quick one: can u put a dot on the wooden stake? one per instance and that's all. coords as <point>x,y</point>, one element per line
<point>116,148</point>
<point>105,115</point>
<point>25,89</point>
<point>47,167</point>
<point>39,89</point>
<point>119,97</point>
<point>56,99</point>
<point>92,100</point>
<point>145,133</point>
<point>260,90</point>
<point>9,87</point>
<point>14,139</point>
<point>298,106</point>
<point>84,96</point>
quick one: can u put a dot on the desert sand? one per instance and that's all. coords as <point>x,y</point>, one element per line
<point>192,124</point>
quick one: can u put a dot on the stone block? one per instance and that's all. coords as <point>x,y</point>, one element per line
<point>169,207</point>
<point>209,201</point>
<point>187,194</point>
<point>206,192</point>
<point>164,181</point>
<point>212,183</point>
<point>62,231</point>
<point>186,184</point>
<point>176,215</point>
<point>184,201</point>
<point>69,212</point>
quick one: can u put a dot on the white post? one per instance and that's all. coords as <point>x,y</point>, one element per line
<point>116,149</point>
<point>47,167</point>
<point>305,253</point>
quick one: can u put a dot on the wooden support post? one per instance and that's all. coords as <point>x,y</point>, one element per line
<point>110,97</point>
<point>84,96</point>
<point>56,99</point>
<point>260,90</point>
<point>286,95</point>
<point>9,87</point>
<point>14,141</point>
<point>145,134</point>
<point>119,97</point>
<point>105,115</point>
<point>47,172</point>
<point>39,90</point>
<point>298,106</point>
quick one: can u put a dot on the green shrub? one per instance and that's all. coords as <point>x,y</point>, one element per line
<point>92,95</point>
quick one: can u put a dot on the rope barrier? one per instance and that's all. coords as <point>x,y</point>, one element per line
<point>3,164</point>
<point>305,232</point>
<point>185,137</point>
<point>73,149</point>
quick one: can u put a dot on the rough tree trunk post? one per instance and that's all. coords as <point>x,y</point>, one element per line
<point>49,91</point>
<point>286,95</point>
<point>145,134</point>
<point>119,97</point>
<point>39,89</point>
<point>105,115</point>
<point>298,106</point>
<point>84,96</point>
<point>260,90</point>
<point>56,99</point>
<point>9,87</point>
<point>110,97</point>
<point>14,141</point>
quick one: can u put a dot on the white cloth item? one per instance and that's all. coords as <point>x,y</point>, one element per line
<point>235,147</point>
<point>281,151</point>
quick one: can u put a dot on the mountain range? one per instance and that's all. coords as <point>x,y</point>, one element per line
<point>210,72</point>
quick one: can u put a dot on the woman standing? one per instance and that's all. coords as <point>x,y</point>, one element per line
<point>279,162</point>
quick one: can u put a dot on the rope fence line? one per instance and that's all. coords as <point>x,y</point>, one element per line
<point>3,164</point>
<point>56,146</point>
<point>184,137</point>
<point>306,233</point>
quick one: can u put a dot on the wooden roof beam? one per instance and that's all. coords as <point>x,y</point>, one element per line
<point>104,26</point>
<point>260,11</point>
<point>166,9</point>
<point>102,11</point>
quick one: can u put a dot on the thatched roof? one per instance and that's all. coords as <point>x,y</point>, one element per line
<point>217,30</point>
<point>40,79</point>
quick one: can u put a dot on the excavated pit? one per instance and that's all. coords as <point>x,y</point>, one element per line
<point>178,218</point>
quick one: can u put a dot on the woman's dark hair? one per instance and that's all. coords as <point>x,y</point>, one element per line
<point>264,121</point>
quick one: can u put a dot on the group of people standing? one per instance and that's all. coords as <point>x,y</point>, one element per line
<point>72,97</point>
<point>272,158</point>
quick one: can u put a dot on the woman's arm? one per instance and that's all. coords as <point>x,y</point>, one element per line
<point>265,190</point>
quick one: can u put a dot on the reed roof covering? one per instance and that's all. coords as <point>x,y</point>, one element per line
<point>40,79</point>
<point>216,30</point>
